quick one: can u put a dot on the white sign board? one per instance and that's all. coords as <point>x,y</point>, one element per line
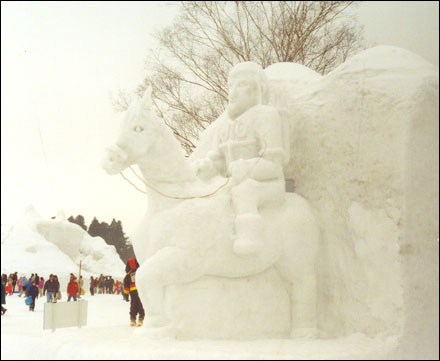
<point>65,314</point>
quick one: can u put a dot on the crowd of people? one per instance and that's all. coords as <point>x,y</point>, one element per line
<point>33,287</point>
<point>104,285</point>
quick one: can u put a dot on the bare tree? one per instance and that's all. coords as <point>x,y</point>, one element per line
<point>121,101</point>
<point>189,71</point>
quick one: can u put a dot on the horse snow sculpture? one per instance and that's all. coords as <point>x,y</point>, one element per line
<point>240,263</point>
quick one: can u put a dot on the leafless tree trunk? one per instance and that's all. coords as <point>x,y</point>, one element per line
<point>189,71</point>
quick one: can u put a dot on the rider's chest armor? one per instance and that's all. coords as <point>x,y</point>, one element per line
<point>238,138</point>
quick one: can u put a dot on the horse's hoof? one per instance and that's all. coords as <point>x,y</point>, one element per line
<point>246,247</point>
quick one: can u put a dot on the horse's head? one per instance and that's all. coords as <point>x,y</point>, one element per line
<point>139,132</point>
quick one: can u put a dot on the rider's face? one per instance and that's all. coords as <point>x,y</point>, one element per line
<point>243,93</point>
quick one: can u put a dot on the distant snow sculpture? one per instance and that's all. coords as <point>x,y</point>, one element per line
<point>56,246</point>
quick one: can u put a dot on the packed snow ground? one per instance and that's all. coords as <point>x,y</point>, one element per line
<point>109,336</point>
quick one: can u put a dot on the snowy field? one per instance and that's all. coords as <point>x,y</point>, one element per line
<point>108,336</point>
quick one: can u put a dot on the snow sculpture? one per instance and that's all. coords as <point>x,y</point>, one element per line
<point>364,153</point>
<point>241,263</point>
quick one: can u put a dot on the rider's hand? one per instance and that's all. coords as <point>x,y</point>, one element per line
<point>204,168</point>
<point>239,171</point>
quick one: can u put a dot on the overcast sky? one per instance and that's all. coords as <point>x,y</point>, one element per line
<point>59,61</point>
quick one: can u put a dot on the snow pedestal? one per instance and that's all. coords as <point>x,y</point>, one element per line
<point>223,308</point>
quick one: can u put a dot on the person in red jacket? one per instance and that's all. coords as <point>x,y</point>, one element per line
<point>117,288</point>
<point>72,288</point>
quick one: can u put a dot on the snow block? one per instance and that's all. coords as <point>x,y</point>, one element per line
<point>224,308</point>
<point>364,145</point>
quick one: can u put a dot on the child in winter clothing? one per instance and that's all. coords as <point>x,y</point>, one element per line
<point>28,286</point>
<point>130,289</point>
<point>33,292</point>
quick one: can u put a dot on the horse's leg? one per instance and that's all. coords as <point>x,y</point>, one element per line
<point>302,287</point>
<point>298,266</point>
<point>304,307</point>
<point>169,265</point>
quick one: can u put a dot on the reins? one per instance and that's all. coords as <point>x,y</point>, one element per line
<point>166,195</point>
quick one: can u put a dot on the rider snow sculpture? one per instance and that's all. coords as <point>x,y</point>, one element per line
<point>249,148</point>
<point>183,238</point>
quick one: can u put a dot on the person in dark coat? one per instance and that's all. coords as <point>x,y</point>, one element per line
<point>3,297</point>
<point>14,281</point>
<point>92,285</point>
<point>51,288</point>
<point>29,284</point>
<point>111,284</point>
<point>55,278</point>
<point>33,292</point>
<point>130,289</point>
<point>58,291</point>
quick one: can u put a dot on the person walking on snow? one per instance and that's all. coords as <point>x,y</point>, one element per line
<point>10,286</point>
<point>117,287</point>
<point>20,286</point>
<point>33,292</point>
<point>72,288</point>
<point>14,281</point>
<point>41,286</point>
<point>58,291</point>
<point>92,286</point>
<point>130,289</point>
<point>24,281</point>
<point>80,286</point>
<point>51,288</point>
<point>3,297</point>
<point>29,284</point>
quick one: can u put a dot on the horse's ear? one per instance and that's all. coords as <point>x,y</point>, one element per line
<point>146,99</point>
